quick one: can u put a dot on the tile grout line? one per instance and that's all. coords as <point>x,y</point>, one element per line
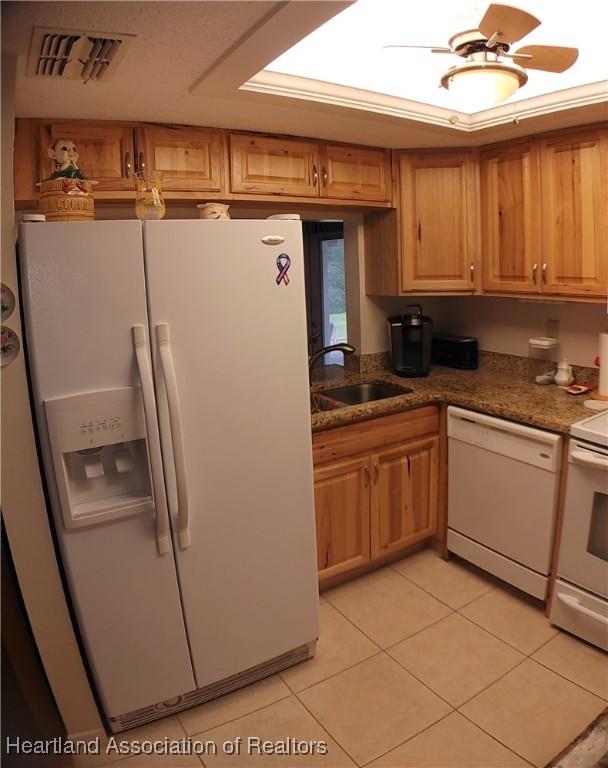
<point>504,640</point>
<point>392,645</point>
<point>181,725</point>
<point>568,680</point>
<point>233,719</point>
<point>411,581</point>
<point>527,658</point>
<point>335,674</point>
<point>413,736</point>
<point>481,728</point>
<point>326,730</point>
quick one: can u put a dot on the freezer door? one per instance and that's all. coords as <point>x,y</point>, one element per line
<point>227,311</point>
<point>83,291</point>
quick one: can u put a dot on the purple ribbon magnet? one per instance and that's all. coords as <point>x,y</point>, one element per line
<point>283,264</point>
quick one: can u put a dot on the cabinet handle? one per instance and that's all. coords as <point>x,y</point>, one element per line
<point>472,272</point>
<point>141,165</point>
<point>128,165</point>
<point>366,475</point>
<point>315,176</point>
<point>534,271</point>
<point>376,472</point>
<point>324,176</point>
<point>544,272</point>
<point>419,231</point>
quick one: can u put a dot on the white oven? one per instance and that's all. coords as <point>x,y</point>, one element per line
<point>580,599</point>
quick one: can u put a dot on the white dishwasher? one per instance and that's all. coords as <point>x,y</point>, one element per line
<point>502,497</point>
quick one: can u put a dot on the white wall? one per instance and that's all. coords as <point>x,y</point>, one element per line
<point>505,325</point>
<point>23,506</point>
<point>501,324</point>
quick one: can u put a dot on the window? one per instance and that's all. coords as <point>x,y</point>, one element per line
<point>325,286</point>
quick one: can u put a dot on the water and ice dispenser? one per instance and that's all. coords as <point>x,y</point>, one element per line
<point>98,443</point>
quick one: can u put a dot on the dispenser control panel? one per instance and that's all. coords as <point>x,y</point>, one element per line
<point>98,443</point>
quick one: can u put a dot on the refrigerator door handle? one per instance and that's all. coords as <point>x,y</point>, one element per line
<point>163,539</point>
<point>177,438</point>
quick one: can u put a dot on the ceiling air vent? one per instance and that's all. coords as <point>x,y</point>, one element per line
<point>75,54</point>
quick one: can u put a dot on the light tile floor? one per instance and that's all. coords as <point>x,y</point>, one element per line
<point>423,664</point>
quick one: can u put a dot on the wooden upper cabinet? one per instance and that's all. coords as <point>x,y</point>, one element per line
<point>342,516</point>
<point>510,221</point>
<point>265,165</point>
<point>190,159</point>
<point>574,206</point>
<point>353,173</point>
<point>439,203</point>
<point>105,151</point>
<point>404,495</point>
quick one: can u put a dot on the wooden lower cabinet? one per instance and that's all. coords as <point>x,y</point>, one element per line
<point>342,516</point>
<point>376,489</point>
<point>404,495</point>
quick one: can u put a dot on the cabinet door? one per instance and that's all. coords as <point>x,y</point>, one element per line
<point>439,213</point>
<point>404,495</point>
<point>574,191</point>
<point>190,159</point>
<point>105,151</point>
<point>352,173</point>
<point>509,213</point>
<point>342,516</point>
<point>264,165</point>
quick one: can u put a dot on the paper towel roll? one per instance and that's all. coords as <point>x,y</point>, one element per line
<point>603,385</point>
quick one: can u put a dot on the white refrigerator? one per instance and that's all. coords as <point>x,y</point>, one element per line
<point>169,376</point>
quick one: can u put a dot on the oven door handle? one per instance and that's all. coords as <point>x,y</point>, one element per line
<point>575,604</point>
<point>589,459</point>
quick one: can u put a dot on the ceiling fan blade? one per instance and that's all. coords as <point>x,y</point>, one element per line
<point>426,47</point>
<point>549,58</point>
<point>507,23</point>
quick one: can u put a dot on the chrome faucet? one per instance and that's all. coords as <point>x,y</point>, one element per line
<point>348,349</point>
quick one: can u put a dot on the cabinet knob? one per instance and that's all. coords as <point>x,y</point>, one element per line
<point>472,271</point>
<point>324,176</point>
<point>128,165</point>
<point>141,165</point>
<point>315,175</point>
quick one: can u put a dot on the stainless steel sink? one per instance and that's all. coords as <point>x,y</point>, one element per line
<point>365,393</point>
<point>320,403</point>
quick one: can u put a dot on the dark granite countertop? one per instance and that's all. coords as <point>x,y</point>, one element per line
<point>497,388</point>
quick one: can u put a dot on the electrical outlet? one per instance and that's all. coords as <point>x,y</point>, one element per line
<point>552,328</point>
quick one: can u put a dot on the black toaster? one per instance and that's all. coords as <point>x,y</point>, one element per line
<point>454,351</point>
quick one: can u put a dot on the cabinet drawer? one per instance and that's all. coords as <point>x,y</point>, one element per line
<point>374,434</point>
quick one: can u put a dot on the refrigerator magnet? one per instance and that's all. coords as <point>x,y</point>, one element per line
<point>283,264</point>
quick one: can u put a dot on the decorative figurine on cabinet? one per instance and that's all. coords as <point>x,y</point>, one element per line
<point>67,194</point>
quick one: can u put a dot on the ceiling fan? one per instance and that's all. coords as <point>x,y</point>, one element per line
<point>490,72</point>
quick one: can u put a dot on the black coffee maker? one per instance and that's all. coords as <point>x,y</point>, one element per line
<point>411,336</point>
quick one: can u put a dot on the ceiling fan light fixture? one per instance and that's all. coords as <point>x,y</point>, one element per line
<point>478,85</point>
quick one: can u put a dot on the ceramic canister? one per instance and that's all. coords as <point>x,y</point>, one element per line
<point>67,200</point>
<point>213,211</point>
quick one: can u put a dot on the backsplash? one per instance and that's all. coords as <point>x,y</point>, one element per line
<point>511,365</point>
